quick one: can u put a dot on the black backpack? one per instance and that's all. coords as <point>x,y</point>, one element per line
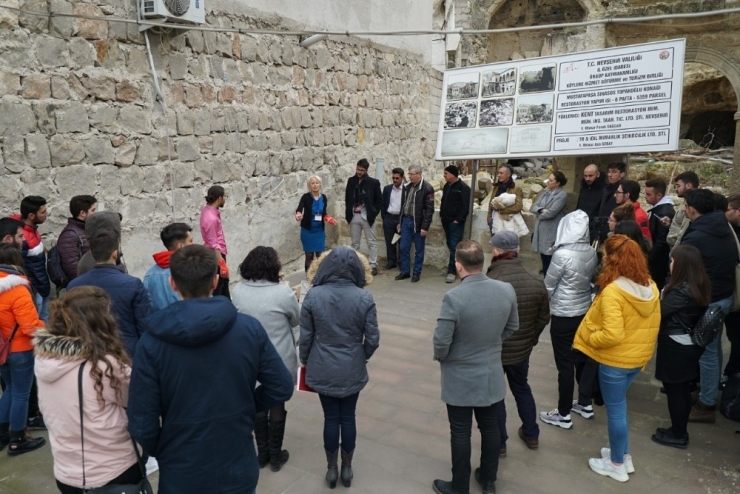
<point>54,264</point>
<point>730,404</point>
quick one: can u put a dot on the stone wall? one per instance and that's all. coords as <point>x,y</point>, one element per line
<point>256,114</point>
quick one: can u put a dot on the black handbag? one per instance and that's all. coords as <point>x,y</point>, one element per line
<point>143,487</point>
<point>706,328</point>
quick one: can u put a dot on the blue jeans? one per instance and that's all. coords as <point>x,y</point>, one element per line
<point>42,307</point>
<point>516,374</point>
<point>17,373</point>
<point>614,383</point>
<point>339,413</point>
<point>409,235</point>
<point>710,363</point>
<point>453,234</point>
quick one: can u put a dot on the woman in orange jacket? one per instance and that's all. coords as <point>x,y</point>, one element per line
<point>18,322</point>
<point>619,332</point>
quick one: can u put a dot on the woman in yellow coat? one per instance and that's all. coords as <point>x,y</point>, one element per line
<point>619,332</point>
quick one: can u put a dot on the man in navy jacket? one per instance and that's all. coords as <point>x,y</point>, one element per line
<point>130,299</point>
<point>192,398</point>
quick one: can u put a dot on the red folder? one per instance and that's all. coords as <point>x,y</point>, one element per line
<point>302,386</point>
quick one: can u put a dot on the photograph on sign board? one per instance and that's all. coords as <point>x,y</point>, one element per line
<point>462,86</point>
<point>461,115</point>
<point>499,82</point>
<point>473,142</point>
<point>537,79</point>
<point>496,112</point>
<point>536,108</point>
<point>530,139</point>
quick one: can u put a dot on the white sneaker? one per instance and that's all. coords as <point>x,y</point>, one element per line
<point>554,418</point>
<point>606,453</point>
<point>587,411</point>
<point>604,466</point>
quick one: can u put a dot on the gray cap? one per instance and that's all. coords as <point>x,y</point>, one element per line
<point>505,240</point>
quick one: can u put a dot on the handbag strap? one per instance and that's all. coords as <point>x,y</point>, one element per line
<point>82,428</point>
<point>15,328</point>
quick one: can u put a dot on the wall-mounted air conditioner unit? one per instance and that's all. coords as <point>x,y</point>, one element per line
<point>179,11</point>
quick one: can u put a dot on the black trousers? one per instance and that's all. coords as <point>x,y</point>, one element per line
<point>390,228</point>
<point>131,476</point>
<point>562,333</point>
<point>461,424</point>
<point>679,406</point>
<point>732,323</point>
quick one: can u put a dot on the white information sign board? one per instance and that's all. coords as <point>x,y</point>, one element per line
<point>612,101</point>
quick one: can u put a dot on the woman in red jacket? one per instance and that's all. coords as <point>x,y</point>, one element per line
<point>18,322</point>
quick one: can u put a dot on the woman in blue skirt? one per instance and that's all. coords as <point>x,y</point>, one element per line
<point>311,212</point>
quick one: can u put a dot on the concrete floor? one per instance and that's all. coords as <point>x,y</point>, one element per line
<point>403,441</point>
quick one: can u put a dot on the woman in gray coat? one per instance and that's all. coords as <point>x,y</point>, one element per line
<point>274,304</point>
<point>339,333</point>
<point>550,209</point>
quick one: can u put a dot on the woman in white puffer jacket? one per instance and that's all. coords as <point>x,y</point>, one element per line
<point>568,283</point>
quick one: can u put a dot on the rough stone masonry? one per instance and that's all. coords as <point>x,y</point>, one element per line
<point>256,114</point>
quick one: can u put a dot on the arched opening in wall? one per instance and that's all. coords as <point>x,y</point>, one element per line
<point>530,44</point>
<point>708,107</point>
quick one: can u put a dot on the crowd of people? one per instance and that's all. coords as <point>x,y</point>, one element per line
<point>187,367</point>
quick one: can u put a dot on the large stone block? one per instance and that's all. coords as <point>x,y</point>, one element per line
<point>109,178</point>
<point>125,154</point>
<point>185,122</point>
<point>147,152</point>
<point>71,117</point>
<point>37,151</point>
<point>90,29</point>
<point>36,86</point>
<point>45,119</point>
<point>184,174</point>
<point>61,26</point>
<point>202,124</point>
<point>128,92</point>
<point>65,152</point>
<point>34,23</point>
<point>9,83</point>
<point>178,66</point>
<point>99,150</point>
<point>16,118</point>
<point>132,181</point>
<point>60,88</point>
<point>14,154</point>
<point>51,53</point>
<point>101,87</point>
<point>135,120</point>
<point>104,118</point>
<point>73,180</point>
<point>153,179</point>
<point>187,148</point>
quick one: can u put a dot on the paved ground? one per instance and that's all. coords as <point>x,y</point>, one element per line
<point>403,441</point>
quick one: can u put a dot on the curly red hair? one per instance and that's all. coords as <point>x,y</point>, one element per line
<point>623,257</point>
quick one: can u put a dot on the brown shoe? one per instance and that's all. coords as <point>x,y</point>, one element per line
<point>531,443</point>
<point>502,453</point>
<point>703,414</point>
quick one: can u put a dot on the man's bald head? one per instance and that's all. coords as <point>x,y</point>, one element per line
<point>590,174</point>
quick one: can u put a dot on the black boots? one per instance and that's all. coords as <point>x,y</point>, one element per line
<point>347,468</point>
<point>262,438</point>
<point>332,473</point>
<point>278,456</point>
<point>22,442</point>
<point>4,435</point>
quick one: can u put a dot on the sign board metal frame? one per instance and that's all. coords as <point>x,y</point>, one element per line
<point>612,101</point>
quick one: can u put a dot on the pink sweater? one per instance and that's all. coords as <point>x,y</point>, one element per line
<point>211,229</point>
<point>108,447</point>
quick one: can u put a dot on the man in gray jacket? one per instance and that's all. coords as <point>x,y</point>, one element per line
<point>467,343</point>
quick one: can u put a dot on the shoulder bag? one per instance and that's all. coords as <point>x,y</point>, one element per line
<point>5,346</point>
<point>143,487</point>
<point>706,328</point>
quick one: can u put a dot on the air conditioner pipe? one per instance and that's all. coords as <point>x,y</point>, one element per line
<point>315,38</point>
